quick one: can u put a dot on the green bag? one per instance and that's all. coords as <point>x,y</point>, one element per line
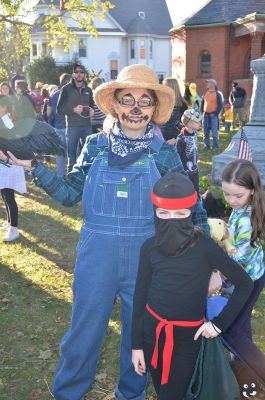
<point>213,378</point>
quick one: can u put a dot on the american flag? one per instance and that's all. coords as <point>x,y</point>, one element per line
<point>244,150</point>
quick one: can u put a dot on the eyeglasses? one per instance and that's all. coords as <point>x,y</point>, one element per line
<point>79,71</point>
<point>143,102</point>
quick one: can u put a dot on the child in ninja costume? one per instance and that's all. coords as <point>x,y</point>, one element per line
<point>171,290</point>
<point>187,145</point>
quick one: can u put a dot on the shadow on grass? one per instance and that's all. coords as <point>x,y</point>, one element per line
<point>32,322</point>
<point>49,237</point>
<point>40,196</point>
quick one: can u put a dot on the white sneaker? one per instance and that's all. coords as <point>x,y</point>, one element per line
<point>12,234</point>
<point>5,226</point>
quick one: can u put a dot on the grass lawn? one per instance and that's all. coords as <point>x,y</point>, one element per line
<point>35,298</point>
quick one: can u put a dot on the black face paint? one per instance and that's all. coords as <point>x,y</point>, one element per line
<point>127,118</point>
<point>136,111</point>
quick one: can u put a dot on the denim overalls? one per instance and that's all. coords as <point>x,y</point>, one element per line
<point>118,218</point>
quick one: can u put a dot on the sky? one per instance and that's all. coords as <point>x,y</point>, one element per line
<point>180,9</point>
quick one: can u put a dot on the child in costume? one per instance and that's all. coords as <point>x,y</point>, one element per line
<point>171,290</point>
<point>228,116</point>
<point>187,145</point>
<point>242,189</point>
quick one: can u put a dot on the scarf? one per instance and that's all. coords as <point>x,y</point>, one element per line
<point>173,236</point>
<point>125,151</point>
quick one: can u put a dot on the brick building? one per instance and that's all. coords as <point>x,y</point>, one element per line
<point>219,42</point>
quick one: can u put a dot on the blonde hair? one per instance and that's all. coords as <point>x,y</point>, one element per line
<point>174,85</point>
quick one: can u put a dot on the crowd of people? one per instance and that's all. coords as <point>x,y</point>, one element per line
<point>133,162</point>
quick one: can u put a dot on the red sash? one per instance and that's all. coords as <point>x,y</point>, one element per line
<point>169,342</point>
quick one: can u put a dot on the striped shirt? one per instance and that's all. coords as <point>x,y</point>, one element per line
<point>69,191</point>
<point>239,225</point>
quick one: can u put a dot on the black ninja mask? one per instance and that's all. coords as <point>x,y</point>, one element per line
<point>174,191</point>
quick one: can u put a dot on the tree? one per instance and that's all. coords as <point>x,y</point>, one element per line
<point>80,13</point>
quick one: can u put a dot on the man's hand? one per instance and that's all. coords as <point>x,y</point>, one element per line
<point>21,163</point>
<point>138,362</point>
<point>208,330</point>
<point>78,109</point>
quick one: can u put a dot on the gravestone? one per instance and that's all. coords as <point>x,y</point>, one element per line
<point>254,129</point>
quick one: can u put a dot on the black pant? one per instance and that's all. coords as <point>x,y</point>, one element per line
<point>8,195</point>
<point>183,360</point>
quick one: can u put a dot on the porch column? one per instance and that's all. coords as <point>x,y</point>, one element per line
<point>256,45</point>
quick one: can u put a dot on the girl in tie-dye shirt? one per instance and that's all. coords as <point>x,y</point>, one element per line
<point>242,189</point>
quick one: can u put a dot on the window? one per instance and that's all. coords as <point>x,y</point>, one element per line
<point>132,49</point>
<point>141,14</point>
<point>142,49</point>
<point>113,69</point>
<point>34,50</point>
<point>205,63</point>
<point>151,49</point>
<point>44,49</point>
<point>82,48</point>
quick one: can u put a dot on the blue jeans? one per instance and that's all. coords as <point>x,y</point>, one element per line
<point>210,123</point>
<point>75,136</point>
<point>239,334</point>
<point>118,218</point>
<point>60,160</point>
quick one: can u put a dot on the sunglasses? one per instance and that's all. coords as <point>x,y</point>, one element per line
<point>143,102</point>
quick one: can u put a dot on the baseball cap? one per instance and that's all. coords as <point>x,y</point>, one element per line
<point>213,81</point>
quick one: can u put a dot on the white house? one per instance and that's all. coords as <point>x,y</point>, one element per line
<point>134,32</point>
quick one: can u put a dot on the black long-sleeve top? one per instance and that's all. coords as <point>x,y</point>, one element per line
<point>176,287</point>
<point>71,96</point>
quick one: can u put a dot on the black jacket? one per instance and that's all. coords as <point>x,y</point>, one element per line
<point>71,96</point>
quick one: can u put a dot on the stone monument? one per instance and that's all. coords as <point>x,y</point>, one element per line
<point>254,129</point>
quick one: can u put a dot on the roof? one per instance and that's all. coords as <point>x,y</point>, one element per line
<point>224,11</point>
<point>154,19</point>
<point>157,20</point>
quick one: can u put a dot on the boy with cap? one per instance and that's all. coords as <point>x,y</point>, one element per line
<point>171,290</point>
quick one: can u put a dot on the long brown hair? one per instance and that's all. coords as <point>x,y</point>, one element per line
<point>244,173</point>
<point>174,85</point>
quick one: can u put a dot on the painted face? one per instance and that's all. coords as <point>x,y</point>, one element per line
<point>163,213</point>
<point>237,196</point>
<point>249,390</point>
<point>192,126</point>
<point>134,108</point>
<point>5,90</point>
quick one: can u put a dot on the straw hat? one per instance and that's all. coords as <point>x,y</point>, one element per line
<point>137,76</point>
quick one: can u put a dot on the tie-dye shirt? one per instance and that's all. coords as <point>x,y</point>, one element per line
<point>239,225</point>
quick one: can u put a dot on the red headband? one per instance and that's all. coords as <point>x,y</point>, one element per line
<point>174,204</point>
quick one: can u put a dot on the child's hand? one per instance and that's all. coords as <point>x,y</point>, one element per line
<point>215,283</point>
<point>172,141</point>
<point>138,362</point>
<point>208,330</point>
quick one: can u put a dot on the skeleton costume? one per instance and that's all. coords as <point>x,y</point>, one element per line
<point>187,146</point>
